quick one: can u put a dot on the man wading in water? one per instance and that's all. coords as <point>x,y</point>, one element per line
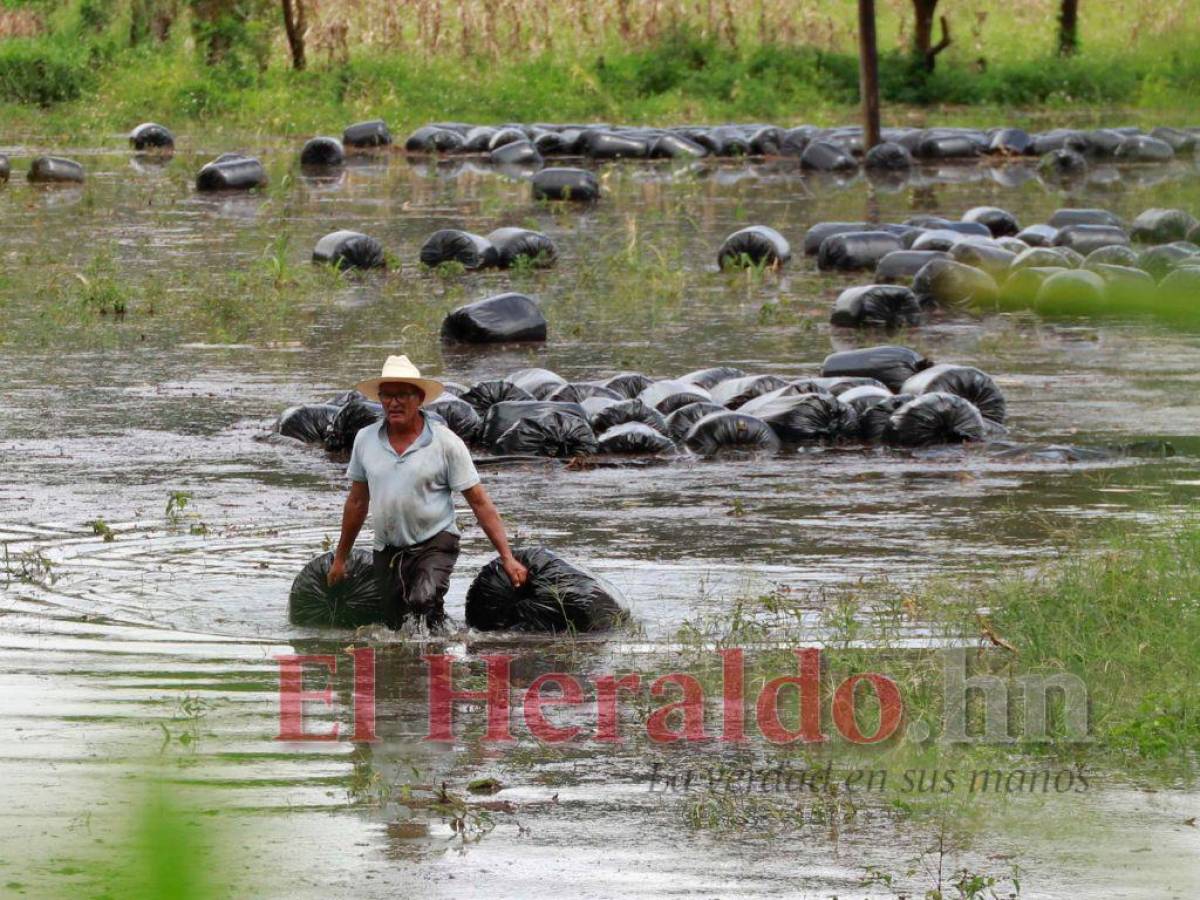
<point>405,472</point>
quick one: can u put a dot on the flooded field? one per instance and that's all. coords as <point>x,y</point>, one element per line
<point>147,647</point>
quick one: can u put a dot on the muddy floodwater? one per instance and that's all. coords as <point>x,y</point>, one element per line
<point>147,648</point>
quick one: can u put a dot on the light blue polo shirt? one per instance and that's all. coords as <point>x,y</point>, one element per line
<point>412,493</point>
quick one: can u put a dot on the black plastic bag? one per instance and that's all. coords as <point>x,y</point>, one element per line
<point>805,418</point>
<point>373,133</point>
<point>611,145</point>
<point>1038,235</point>
<point>1061,165</point>
<point>1086,238</point>
<point>516,153</point>
<point>888,364</point>
<point>902,266</point>
<point>433,139</point>
<point>709,378</point>
<point>555,434</point>
<point>353,601</point>
<point>513,244</point>
<point>321,152</point>
<point>629,384</point>
<point>540,383</point>
<point>1161,226</point>
<point>935,418</point>
<point>506,135</point>
<point>505,317</point>
<point>349,250</point>
<point>731,431</point>
<point>350,419</point>
<point>1042,257</point>
<point>963,381</point>
<point>460,417</point>
<point>1063,218</point>
<point>634,437</point>
<point>888,157</point>
<point>1073,292</point>
<point>55,170</point>
<point>984,254</point>
<point>944,282</point>
<point>999,222</point>
<point>946,146</point>
<point>823,156</point>
<point>834,386</point>
<point>307,422</point>
<point>1179,139</point>
<point>1021,287</point>
<point>1099,144</point>
<point>864,397</point>
<point>502,416</point>
<point>478,139</point>
<point>876,306</point>
<point>151,136</point>
<point>577,392</point>
<point>5,169</point>
<point>1143,148</point>
<point>734,392</point>
<point>815,236</point>
<point>757,245</point>
<point>1161,260</point>
<point>453,245</point>
<point>668,396</point>
<point>680,422</point>
<point>558,597</point>
<point>675,146</point>
<point>566,184</point>
<point>855,251</point>
<point>231,173</point>
<point>875,419</point>
<point>620,412</point>
<point>1011,142</point>
<point>486,394</point>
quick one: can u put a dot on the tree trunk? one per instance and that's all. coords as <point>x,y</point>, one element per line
<point>295,25</point>
<point>923,46</point>
<point>1068,30</point>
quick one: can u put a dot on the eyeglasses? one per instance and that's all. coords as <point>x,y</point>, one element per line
<point>385,399</point>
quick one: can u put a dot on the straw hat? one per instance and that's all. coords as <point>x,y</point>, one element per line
<point>399,370</point>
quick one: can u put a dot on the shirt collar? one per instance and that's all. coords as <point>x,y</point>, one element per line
<point>424,439</point>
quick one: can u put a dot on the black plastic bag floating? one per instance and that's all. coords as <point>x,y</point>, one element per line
<point>629,384</point>
<point>675,146</point>
<point>55,170</point>
<point>350,419</point>
<point>1086,238</point>
<point>1143,148</point>
<point>709,378</point>
<point>823,156</point>
<point>504,415</point>
<point>516,153</point>
<point>609,145</point>
<point>459,416</point>
<point>1161,226</point>
<point>634,437</point>
<point>577,392</point>
<point>757,245</point>
<point>433,139</point>
<point>477,139</point>
<point>888,364</point>
<point>875,419</point>
<point>1011,142</point>
<point>349,250</point>
<point>5,169</point>
<point>731,431</point>
<point>888,157</point>
<point>1038,235</point>
<point>1061,165</point>
<point>558,597</point>
<point>373,133</point>
<point>322,152</point>
<point>1178,139</point>
<point>984,254</point>
<point>805,418</point>
<point>566,184</point>
<point>151,136</point>
<point>307,422</point>
<point>964,381</point>
<point>1061,218</point>
<point>1073,292</point>
<point>902,266</point>
<point>540,383</point>
<point>864,397</point>
<point>944,282</point>
<point>231,172</point>
<point>1160,260</point>
<point>486,394</point>
<point>353,601</point>
<point>834,386</point>
<point>620,412</point>
<point>734,392</point>
<point>452,245</point>
<point>855,251</point>
<point>513,244</point>
<point>1042,257</point>
<point>935,418</point>
<point>1022,285</point>
<point>680,422</point>
<point>815,236</point>
<point>876,306</point>
<point>555,434</point>
<point>999,222</point>
<point>505,317</point>
<point>668,396</point>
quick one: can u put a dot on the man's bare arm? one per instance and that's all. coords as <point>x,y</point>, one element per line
<point>492,525</point>
<point>354,514</point>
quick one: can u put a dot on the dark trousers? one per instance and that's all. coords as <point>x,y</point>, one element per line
<point>413,580</point>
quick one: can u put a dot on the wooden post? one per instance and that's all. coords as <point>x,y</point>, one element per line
<point>868,73</point>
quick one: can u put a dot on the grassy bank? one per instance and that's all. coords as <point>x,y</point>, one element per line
<point>79,75</point>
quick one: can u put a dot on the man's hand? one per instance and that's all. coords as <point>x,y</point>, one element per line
<point>516,572</point>
<point>337,571</point>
